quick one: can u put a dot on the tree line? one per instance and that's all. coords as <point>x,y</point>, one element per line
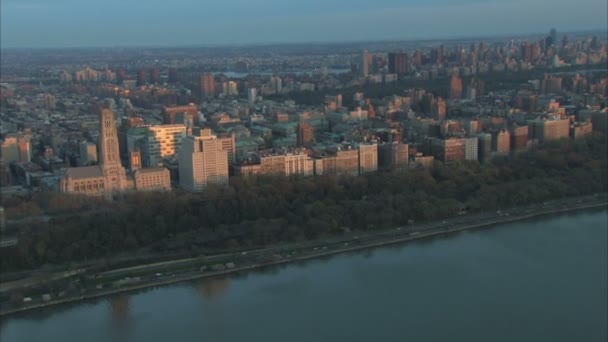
<point>264,211</point>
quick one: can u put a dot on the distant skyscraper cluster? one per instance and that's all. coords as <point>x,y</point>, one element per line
<point>192,121</point>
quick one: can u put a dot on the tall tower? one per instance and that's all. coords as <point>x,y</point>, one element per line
<point>202,161</point>
<point>305,134</point>
<point>366,62</point>
<point>455,87</point>
<point>207,85</point>
<point>114,173</point>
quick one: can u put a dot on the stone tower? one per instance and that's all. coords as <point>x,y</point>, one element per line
<point>112,169</point>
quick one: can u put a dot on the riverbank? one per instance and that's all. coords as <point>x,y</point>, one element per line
<point>352,243</point>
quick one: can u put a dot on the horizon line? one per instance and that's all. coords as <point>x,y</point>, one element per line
<point>262,44</point>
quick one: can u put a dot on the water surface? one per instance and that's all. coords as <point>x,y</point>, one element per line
<point>538,280</point>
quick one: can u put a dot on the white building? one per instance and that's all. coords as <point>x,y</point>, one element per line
<point>471,148</point>
<point>298,164</point>
<point>252,95</point>
<point>202,162</point>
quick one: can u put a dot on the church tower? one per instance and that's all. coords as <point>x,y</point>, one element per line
<point>112,169</point>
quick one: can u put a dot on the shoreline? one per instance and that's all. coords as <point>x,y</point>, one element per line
<point>414,235</point>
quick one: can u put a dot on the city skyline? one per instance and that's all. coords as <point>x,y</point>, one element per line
<point>273,22</point>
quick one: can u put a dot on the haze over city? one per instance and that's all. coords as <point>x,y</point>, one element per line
<point>321,170</point>
<point>94,23</point>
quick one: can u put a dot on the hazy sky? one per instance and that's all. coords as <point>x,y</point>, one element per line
<point>66,23</point>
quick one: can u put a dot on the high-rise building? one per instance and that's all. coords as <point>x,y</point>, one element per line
<point>455,87</point>
<point>472,126</point>
<point>553,128</point>
<point>173,77</point>
<point>206,85</point>
<point>501,142</point>
<point>163,142</point>
<point>484,146</point>
<point>368,158</point>
<point>471,148</point>
<point>393,155</point>
<point>344,162</point>
<point>16,147</point>
<point>417,58</point>
<point>448,150</point>
<point>142,77</point>
<point>252,95</point>
<point>551,84</point>
<point>519,138</point>
<point>230,88</point>
<point>305,134</point>
<point>202,162</point>
<point>438,109</point>
<point>277,84</point>
<point>366,63</point>
<point>527,52</point>
<point>228,144</point>
<point>553,36</point>
<point>398,63</point>
<point>155,76</point>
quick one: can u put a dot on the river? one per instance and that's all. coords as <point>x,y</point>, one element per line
<point>544,279</point>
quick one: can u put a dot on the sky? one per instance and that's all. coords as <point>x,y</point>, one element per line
<point>91,23</point>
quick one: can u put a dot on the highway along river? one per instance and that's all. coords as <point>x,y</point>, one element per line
<point>543,279</point>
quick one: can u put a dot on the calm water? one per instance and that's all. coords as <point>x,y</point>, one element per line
<point>540,280</point>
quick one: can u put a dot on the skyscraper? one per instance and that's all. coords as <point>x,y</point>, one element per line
<point>366,63</point>
<point>305,134</point>
<point>142,77</point>
<point>501,142</point>
<point>173,77</point>
<point>207,85</point>
<point>368,158</point>
<point>252,95</point>
<point>455,87</point>
<point>398,63</point>
<point>154,76</point>
<point>527,52</point>
<point>553,35</point>
<point>202,162</point>
<point>519,138</point>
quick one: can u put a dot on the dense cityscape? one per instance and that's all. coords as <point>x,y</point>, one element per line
<point>116,157</point>
<point>193,117</point>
